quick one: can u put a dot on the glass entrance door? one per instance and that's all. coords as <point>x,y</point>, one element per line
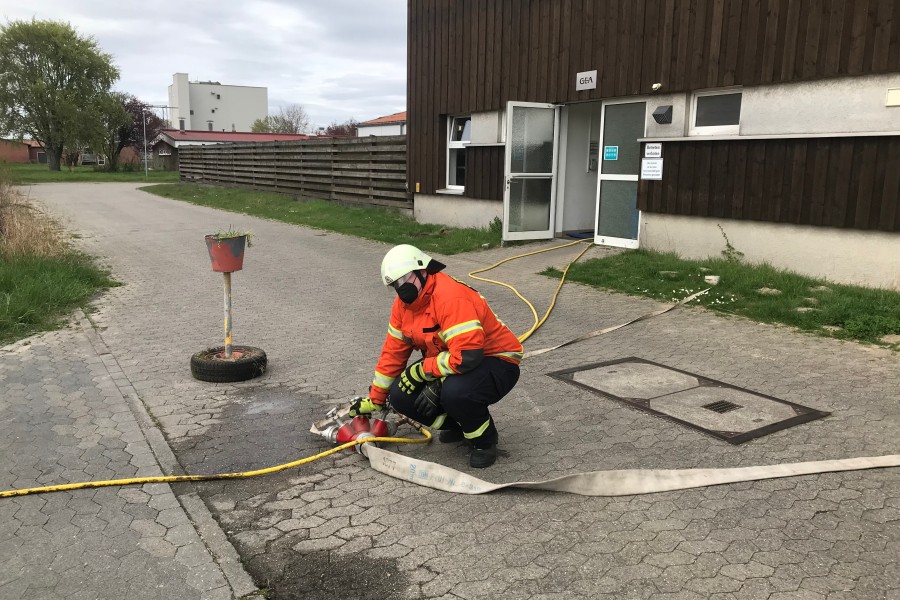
<point>618,218</point>
<point>529,196</point>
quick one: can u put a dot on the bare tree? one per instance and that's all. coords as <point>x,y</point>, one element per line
<point>347,128</point>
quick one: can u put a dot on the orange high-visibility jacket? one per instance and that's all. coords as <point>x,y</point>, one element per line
<point>451,324</point>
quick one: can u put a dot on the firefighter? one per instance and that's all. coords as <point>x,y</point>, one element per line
<point>470,359</point>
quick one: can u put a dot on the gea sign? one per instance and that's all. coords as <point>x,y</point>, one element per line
<point>586,80</point>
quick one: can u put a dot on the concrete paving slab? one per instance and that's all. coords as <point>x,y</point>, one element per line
<point>726,412</point>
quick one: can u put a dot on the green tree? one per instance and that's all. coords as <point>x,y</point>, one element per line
<point>52,85</point>
<point>261,126</point>
<point>290,119</point>
<point>118,125</point>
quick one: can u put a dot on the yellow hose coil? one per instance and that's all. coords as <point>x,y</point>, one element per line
<point>393,440</point>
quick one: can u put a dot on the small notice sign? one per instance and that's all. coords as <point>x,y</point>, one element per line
<point>652,169</point>
<point>610,153</point>
<point>653,150</point>
<point>586,80</point>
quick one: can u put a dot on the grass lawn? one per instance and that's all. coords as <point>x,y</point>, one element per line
<point>42,278</point>
<point>22,173</point>
<point>37,292</point>
<point>758,292</point>
<point>372,223</point>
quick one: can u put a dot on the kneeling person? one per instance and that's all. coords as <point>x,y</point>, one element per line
<point>471,359</point>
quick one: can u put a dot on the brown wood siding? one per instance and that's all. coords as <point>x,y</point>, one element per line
<point>850,182</point>
<point>484,172</point>
<point>475,55</point>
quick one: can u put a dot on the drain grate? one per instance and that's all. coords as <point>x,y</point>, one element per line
<point>722,406</point>
<point>721,410</point>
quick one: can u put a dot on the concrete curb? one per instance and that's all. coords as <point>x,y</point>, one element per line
<point>221,550</point>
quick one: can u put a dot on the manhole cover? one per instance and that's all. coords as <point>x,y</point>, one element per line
<point>727,412</point>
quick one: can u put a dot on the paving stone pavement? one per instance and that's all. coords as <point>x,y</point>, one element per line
<point>336,529</point>
<point>63,419</point>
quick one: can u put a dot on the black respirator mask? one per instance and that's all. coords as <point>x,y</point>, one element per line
<point>408,292</point>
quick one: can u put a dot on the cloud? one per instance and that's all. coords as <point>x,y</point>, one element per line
<point>338,58</point>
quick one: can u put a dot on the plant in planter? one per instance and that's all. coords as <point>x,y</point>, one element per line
<point>228,363</point>
<point>226,249</point>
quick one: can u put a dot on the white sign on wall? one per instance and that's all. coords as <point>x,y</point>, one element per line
<point>586,80</point>
<point>653,150</point>
<point>652,169</point>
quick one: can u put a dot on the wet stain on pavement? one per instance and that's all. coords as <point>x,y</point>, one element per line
<point>285,526</point>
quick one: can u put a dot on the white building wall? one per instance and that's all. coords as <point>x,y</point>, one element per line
<point>228,107</point>
<point>390,129</point>
<point>455,210</point>
<point>179,101</point>
<point>845,105</point>
<point>869,258</point>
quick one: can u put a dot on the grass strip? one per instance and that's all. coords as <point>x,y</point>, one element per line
<point>25,173</point>
<point>374,223</point>
<point>36,292</point>
<point>756,291</point>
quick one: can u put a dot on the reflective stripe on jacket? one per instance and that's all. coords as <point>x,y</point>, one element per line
<point>451,324</point>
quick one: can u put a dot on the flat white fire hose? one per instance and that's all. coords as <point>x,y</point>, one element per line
<point>625,482</point>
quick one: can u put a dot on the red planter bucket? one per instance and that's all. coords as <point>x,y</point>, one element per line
<point>226,254</point>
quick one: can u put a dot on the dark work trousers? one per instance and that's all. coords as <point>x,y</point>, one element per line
<point>465,398</point>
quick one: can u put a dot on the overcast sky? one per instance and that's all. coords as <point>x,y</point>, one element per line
<point>338,58</point>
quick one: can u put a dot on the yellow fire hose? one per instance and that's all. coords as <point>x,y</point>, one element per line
<point>537,322</point>
<point>179,478</point>
<point>596,483</point>
<point>242,475</point>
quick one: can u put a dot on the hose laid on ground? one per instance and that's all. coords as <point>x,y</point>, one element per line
<point>241,475</point>
<point>537,322</point>
<point>625,482</point>
<point>296,463</point>
<point>596,483</point>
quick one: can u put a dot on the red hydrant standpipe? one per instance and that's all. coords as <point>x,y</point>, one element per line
<point>361,427</point>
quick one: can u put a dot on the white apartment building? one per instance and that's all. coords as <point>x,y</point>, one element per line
<point>211,106</point>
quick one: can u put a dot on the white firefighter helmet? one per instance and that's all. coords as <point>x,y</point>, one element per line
<point>404,259</point>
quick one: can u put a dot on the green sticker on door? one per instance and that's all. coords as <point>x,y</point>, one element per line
<point>610,153</point>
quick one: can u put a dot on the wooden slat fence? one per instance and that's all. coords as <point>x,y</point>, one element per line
<point>370,170</point>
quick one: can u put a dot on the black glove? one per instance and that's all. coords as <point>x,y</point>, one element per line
<point>428,403</point>
<point>412,378</point>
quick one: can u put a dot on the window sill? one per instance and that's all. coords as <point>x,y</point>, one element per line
<point>782,136</point>
<point>450,192</point>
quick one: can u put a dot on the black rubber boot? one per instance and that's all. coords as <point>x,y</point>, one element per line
<point>450,436</point>
<point>481,458</point>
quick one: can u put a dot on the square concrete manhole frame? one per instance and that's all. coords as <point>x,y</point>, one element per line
<point>801,414</point>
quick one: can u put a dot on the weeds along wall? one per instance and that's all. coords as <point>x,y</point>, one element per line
<point>369,170</point>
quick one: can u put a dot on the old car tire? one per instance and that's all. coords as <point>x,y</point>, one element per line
<point>211,365</point>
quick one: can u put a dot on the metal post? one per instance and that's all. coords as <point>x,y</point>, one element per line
<point>228,340</point>
<point>144,119</point>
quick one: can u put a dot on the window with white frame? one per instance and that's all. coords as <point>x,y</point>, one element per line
<point>458,136</point>
<point>716,112</point>
<point>164,150</point>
